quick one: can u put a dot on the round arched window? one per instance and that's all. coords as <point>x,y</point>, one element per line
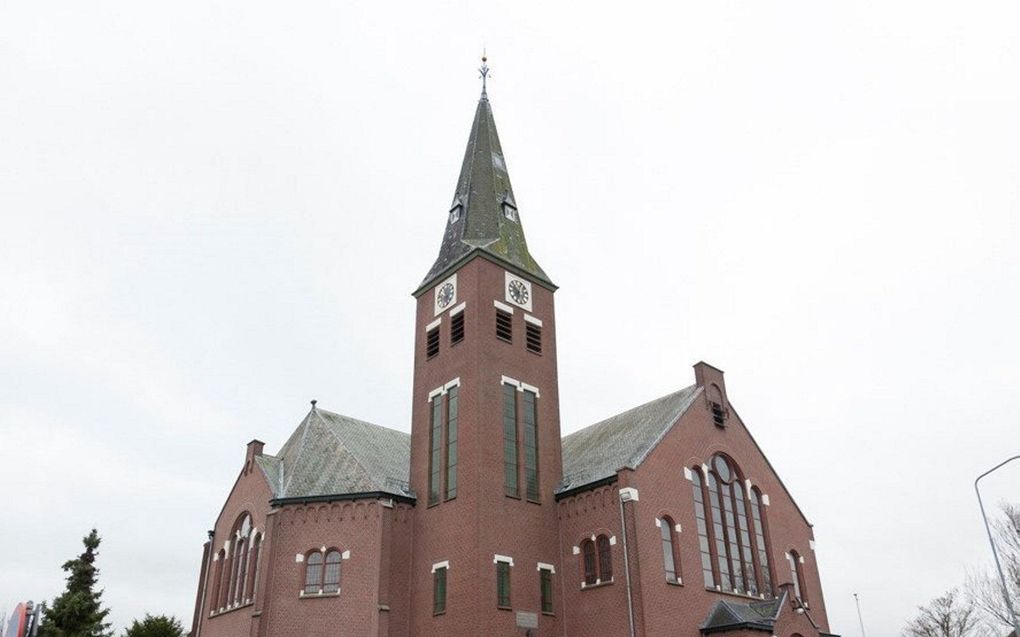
<point>722,469</point>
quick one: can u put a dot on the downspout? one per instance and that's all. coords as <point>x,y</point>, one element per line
<point>626,495</point>
<point>205,587</point>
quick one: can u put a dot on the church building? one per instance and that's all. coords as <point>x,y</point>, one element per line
<point>664,520</point>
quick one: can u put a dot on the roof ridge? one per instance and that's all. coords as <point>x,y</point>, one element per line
<point>285,483</point>
<point>627,411</point>
<point>346,447</point>
<point>364,422</point>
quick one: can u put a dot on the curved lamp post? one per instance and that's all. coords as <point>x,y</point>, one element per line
<point>995,554</point>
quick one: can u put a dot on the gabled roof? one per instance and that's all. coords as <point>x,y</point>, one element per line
<point>623,441</point>
<point>483,191</point>
<point>732,615</point>
<point>330,455</point>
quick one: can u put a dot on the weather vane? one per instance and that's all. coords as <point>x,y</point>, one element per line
<point>483,71</point>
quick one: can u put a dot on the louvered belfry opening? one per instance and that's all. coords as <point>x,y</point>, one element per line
<point>504,326</point>
<point>432,342</point>
<point>533,335</point>
<point>457,329</point>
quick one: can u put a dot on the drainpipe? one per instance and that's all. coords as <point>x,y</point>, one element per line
<point>205,585</point>
<point>627,494</point>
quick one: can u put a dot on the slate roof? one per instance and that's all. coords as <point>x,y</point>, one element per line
<point>599,451</point>
<point>330,454</point>
<point>733,615</point>
<point>482,190</point>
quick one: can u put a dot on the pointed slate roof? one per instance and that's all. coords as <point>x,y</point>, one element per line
<point>731,615</point>
<point>330,454</point>
<point>625,440</point>
<point>478,221</point>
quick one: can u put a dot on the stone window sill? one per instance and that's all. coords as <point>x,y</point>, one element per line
<point>230,609</point>
<point>585,587</point>
<point>304,595</point>
<point>759,596</point>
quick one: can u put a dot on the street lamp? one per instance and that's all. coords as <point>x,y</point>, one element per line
<point>995,553</point>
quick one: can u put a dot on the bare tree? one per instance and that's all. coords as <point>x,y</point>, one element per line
<point>986,588</point>
<point>951,615</point>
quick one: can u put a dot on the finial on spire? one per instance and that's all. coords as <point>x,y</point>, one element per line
<point>483,71</point>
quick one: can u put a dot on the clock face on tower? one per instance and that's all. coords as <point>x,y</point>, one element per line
<point>518,291</point>
<point>445,294</point>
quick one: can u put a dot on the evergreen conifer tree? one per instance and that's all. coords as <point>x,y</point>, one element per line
<point>78,612</point>
<point>155,626</point>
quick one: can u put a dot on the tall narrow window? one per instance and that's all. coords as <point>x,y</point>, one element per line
<point>510,466</point>
<point>504,326</point>
<point>746,550</point>
<point>503,584</point>
<point>253,566</point>
<point>797,575</point>
<point>451,442</point>
<point>722,558</point>
<point>439,590</point>
<point>529,418</point>
<point>457,328</point>
<point>546,589</point>
<point>224,592</point>
<point>701,514</point>
<point>241,564</point>
<point>432,342</point>
<point>331,577</point>
<point>533,337</point>
<point>758,516</point>
<point>436,450</point>
<point>313,573</point>
<point>590,564</point>
<point>669,549</point>
<point>214,599</point>
<point>605,558</point>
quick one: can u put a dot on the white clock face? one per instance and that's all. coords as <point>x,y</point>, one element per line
<point>518,292</point>
<point>445,295</point>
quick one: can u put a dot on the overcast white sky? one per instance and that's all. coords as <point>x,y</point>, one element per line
<point>213,212</point>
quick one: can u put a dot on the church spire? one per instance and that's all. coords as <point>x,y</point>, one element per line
<point>483,215</point>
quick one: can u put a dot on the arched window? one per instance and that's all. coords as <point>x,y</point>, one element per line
<point>217,580</point>
<point>313,573</point>
<point>331,578</point>
<point>597,560</point>
<point>670,555</point>
<point>758,517</point>
<point>797,575</point>
<point>590,565</point>
<point>224,589</point>
<point>253,567</point>
<point>322,572</point>
<point>701,514</point>
<point>238,571</point>
<point>731,530</point>
<point>605,558</point>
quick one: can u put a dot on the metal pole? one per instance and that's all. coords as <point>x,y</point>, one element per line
<point>995,553</point>
<point>860,617</point>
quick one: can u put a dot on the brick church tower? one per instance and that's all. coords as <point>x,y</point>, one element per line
<point>663,520</point>
<point>485,431</point>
